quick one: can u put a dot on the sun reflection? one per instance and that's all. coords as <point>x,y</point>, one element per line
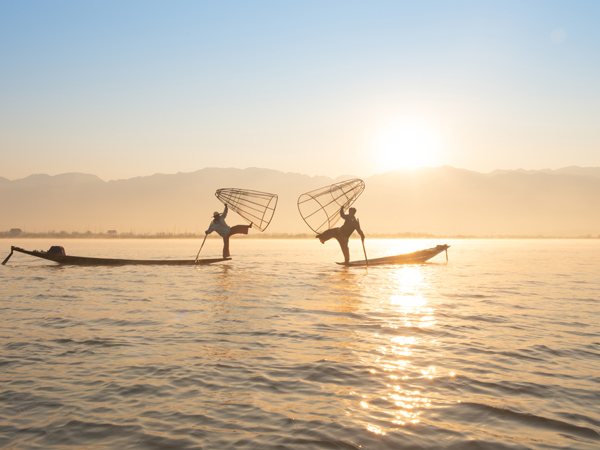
<point>429,372</point>
<point>404,340</point>
<point>375,429</point>
<point>408,301</point>
<point>407,309</point>
<point>413,310</point>
<point>408,404</point>
<point>409,277</point>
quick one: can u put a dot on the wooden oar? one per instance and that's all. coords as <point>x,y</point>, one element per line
<point>205,234</point>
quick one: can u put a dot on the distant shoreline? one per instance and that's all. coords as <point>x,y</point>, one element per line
<point>65,235</point>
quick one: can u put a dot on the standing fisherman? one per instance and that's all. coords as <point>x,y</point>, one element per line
<point>218,224</point>
<point>343,233</point>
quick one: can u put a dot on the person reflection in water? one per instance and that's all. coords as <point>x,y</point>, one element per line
<point>343,233</point>
<point>219,225</point>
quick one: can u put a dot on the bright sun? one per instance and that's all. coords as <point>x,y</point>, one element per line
<point>406,144</point>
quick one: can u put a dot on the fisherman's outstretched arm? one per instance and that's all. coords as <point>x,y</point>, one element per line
<point>224,212</point>
<point>344,216</point>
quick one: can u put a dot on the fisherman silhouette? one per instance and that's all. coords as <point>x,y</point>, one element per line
<point>219,225</point>
<point>343,233</point>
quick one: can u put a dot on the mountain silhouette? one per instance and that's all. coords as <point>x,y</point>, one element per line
<point>439,201</point>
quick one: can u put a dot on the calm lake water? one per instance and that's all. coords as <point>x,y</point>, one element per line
<point>281,348</point>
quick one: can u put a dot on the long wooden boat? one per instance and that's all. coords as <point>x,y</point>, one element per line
<point>417,257</point>
<point>61,258</point>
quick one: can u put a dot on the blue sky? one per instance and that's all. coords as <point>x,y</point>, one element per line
<point>128,88</point>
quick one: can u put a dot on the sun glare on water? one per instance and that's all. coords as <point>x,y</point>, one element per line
<point>406,144</point>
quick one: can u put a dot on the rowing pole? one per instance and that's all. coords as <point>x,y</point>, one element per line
<point>363,243</point>
<point>205,234</point>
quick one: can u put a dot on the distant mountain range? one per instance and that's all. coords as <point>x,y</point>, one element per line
<point>443,201</point>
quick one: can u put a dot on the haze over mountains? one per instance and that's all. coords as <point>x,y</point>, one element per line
<point>443,201</point>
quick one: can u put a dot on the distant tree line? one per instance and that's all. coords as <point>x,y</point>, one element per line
<point>112,234</point>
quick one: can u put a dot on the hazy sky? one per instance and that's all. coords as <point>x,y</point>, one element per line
<point>127,88</point>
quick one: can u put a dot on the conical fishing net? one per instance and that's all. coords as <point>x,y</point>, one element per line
<point>320,208</point>
<point>256,207</point>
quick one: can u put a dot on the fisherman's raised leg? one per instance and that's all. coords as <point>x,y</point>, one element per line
<point>327,234</point>
<point>240,229</point>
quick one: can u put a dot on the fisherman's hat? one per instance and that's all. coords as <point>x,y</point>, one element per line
<point>216,213</point>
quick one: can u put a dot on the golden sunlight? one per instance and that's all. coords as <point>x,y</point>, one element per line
<point>406,144</point>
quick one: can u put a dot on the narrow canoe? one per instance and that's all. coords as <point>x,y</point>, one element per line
<point>408,258</point>
<point>85,261</point>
